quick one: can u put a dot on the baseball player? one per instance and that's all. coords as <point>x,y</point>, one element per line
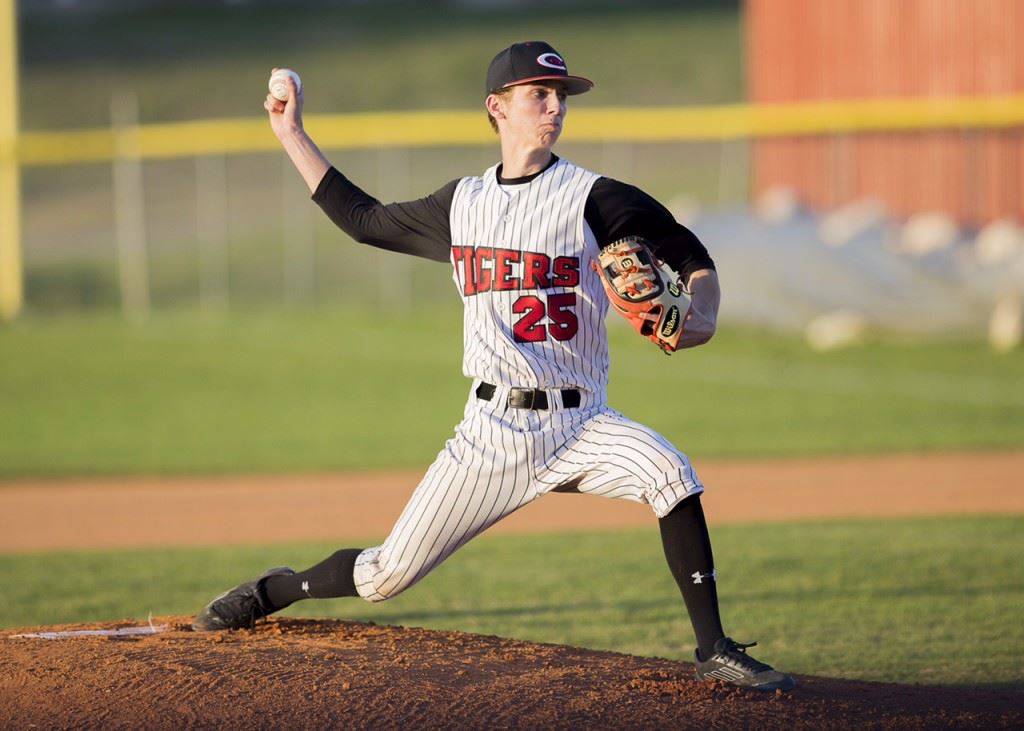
<point>522,240</point>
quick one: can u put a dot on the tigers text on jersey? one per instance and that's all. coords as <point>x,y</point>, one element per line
<point>422,227</point>
<point>521,255</point>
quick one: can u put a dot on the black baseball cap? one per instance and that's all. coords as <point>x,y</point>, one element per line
<point>526,63</point>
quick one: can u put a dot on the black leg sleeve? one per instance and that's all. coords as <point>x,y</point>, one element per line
<point>684,536</point>
<point>332,577</point>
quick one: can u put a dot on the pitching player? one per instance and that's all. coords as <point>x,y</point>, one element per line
<point>520,240</point>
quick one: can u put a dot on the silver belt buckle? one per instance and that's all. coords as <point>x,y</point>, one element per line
<point>524,398</point>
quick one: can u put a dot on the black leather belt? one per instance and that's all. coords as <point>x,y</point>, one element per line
<point>529,398</point>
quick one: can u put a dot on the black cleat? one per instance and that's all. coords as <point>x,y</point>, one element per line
<point>732,664</point>
<point>238,607</point>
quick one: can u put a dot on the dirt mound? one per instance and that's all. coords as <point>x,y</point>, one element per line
<point>293,673</point>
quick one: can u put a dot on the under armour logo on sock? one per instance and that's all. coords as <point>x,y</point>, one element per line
<point>305,588</point>
<point>698,577</point>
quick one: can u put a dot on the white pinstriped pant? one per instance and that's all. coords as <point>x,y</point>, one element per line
<point>500,459</point>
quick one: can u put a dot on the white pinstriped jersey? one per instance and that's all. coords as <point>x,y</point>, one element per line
<point>534,318</point>
<point>534,309</point>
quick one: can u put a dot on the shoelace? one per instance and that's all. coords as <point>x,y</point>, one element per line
<point>254,614</point>
<point>736,652</point>
<point>256,611</point>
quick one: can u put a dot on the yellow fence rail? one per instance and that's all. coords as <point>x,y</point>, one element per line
<point>441,128</point>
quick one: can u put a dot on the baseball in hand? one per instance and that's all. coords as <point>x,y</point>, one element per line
<point>279,83</point>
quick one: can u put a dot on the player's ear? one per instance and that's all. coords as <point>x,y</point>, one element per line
<point>495,106</point>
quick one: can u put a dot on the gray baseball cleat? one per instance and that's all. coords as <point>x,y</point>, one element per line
<point>238,607</point>
<point>732,664</point>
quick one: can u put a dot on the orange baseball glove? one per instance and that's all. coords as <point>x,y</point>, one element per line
<point>643,290</point>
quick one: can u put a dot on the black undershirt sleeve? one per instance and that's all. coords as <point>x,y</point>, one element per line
<point>615,209</point>
<point>421,227</point>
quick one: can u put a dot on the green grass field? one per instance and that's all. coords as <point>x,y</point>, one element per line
<point>923,601</point>
<point>359,389</point>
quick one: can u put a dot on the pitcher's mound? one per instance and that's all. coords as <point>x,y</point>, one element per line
<point>293,673</point>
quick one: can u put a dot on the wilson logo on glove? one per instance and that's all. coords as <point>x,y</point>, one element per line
<point>671,323</point>
<point>643,290</point>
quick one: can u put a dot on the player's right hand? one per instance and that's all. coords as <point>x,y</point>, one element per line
<point>285,116</point>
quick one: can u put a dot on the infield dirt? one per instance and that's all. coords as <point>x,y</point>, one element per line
<point>293,673</point>
<point>162,511</point>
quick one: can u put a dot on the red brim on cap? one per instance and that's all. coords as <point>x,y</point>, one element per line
<point>573,84</point>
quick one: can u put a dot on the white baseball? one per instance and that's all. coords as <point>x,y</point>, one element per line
<point>279,84</point>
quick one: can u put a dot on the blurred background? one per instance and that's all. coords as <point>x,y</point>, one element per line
<point>855,168</point>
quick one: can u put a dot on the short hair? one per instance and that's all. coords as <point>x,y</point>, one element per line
<point>500,93</point>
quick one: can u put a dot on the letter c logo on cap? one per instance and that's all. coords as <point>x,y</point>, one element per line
<point>552,61</point>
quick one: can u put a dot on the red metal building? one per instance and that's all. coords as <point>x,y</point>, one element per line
<point>803,50</point>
